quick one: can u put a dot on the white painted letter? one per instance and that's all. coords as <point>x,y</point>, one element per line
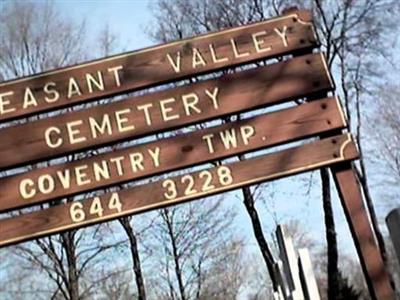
<point>175,65</point>
<point>101,172</point>
<point>117,161</point>
<point>258,43</point>
<point>282,35</point>
<point>73,88</point>
<point>213,96</point>
<point>192,104</point>
<point>236,51</point>
<point>246,132</point>
<point>49,91</point>
<point>145,108</point>
<point>91,80</point>
<point>29,99</point>
<point>116,74</point>
<point>72,132</point>
<point>155,155</point>
<point>100,128</point>
<point>23,188</point>
<point>166,110</point>
<point>46,188</point>
<point>81,177</point>
<point>214,55</point>
<point>136,161</point>
<point>65,178</point>
<point>208,138</point>
<point>197,59</point>
<point>49,142</point>
<point>228,138</point>
<point>122,120</point>
<point>4,102</point>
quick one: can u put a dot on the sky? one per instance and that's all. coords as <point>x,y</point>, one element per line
<point>130,21</point>
<point>291,198</point>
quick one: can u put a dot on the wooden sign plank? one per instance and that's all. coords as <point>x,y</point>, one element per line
<point>156,65</point>
<point>152,113</point>
<point>177,189</point>
<point>170,154</point>
<point>372,263</point>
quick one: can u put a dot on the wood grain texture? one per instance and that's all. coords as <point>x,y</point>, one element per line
<point>177,152</point>
<point>151,66</point>
<point>242,91</point>
<point>153,195</point>
<point>363,235</point>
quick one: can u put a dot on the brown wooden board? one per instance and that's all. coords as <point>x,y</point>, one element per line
<point>152,113</point>
<point>172,153</point>
<point>372,263</point>
<point>155,65</point>
<point>177,189</point>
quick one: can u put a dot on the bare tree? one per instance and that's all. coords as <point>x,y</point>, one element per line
<point>346,28</point>
<point>35,37</point>
<point>301,237</point>
<point>187,245</point>
<point>352,34</point>
<point>33,40</point>
<point>107,44</point>
<point>180,19</point>
<point>384,127</point>
<point>136,263</point>
<point>258,282</point>
<point>115,285</point>
<point>226,276</point>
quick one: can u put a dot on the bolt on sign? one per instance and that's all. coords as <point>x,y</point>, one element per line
<point>299,78</point>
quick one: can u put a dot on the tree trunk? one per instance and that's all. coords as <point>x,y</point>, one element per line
<point>178,271</point>
<point>137,270</point>
<point>73,278</point>
<point>248,201</point>
<point>333,269</point>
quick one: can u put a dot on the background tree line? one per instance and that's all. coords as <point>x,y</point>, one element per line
<point>193,251</point>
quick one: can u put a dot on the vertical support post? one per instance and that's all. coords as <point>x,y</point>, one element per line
<point>364,239</point>
<point>310,287</point>
<point>290,266</point>
<point>282,281</point>
<point>393,223</point>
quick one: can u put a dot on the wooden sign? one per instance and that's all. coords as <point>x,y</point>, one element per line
<point>156,112</point>
<point>298,77</point>
<point>177,189</point>
<point>156,65</point>
<point>170,154</point>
